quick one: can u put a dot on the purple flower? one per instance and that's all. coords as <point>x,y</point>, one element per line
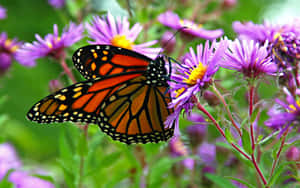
<point>196,132</point>
<point>257,32</point>
<point>249,58</point>
<point>283,118</point>
<point>57,3</point>
<point>2,12</point>
<point>24,180</point>
<point>178,149</point>
<point>196,71</point>
<point>8,159</point>
<point>193,75</point>
<point>52,45</point>
<point>116,32</point>
<point>173,21</point>
<point>293,154</point>
<point>288,43</point>
<point>207,154</point>
<point>7,51</point>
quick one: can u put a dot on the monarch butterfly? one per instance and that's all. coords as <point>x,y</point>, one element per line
<point>126,94</point>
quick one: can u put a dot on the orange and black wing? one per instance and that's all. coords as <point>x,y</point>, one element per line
<point>78,102</point>
<point>98,61</point>
<point>136,113</point>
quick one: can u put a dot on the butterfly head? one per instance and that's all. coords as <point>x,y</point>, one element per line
<point>156,72</point>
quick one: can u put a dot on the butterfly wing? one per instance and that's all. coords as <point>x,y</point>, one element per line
<point>136,113</point>
<point>98,61</point>
<point>78,102</point>
<point>124,106</point>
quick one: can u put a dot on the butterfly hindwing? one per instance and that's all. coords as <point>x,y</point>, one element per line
<point>98,61</point>
<point>136,113</point>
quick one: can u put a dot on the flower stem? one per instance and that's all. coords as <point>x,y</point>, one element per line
<point>278,153</point>
<point>258,169</point>
<point>251,95</point>
<point>81,165</point>
<point>227,110</point>
<point>201,108</point>
<point>67,70</point>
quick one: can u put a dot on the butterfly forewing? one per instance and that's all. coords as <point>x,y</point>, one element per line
<point>78,102</point>
<point>98,61</point>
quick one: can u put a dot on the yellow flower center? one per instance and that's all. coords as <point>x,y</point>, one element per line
<point>196,73</point>
<point>190,24</point>
<point>11,48</point>
<point>49,44</point>
<point>293,108</point>
<point>179,91</point>
<point>122,41</point>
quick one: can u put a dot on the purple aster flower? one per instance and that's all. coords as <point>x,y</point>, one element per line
<point>2,12</point>
<point>194,74</point>
<point>196,71</point>
<point>288,43</point>
<point>178,149</point>
<point>57,3</point>
<point>196,132</point>
<point>116,32</point>
<point>207,154</point>
<point>257,32</point>
<point>283,118</point>
<point>52,45</point>
<point>24,180</point>
<point>8,159</point>
<point>7,51</point>
<point>173,21</point>
<point>249,58</point>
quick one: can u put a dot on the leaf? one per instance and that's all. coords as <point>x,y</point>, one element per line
<point>246,141</point>
<point>228,135</point>
<point>68,174</point>
<point>254,115</point>
<point>219,181</point>
<point>241,181</point>
<point>4,183</point>
<point>161,167</point>
<point>278,171</point>
<point>82,147</point>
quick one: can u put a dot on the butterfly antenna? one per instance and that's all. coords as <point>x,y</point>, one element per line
<point>164,46</point>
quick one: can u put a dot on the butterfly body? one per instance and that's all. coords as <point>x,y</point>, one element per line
<point>125,94</point>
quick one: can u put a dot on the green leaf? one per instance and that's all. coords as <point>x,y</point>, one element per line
<point>82,147</point>
<point>228,135</point>
<point>72,7</point>
<point>68,174</point>
<point>4,183</point>
<point>161,167</point>
<point>254,115</point>
<point>219,181</point>
<point>241,181</point>
<point>278,171</point>
<point>246,141</point>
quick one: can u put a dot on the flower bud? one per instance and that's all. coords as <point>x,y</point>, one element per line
<point>168,42</point>
<point>211,98</point>
<point>293,154</point>
<point>55,85</point>
<point>227,4</point>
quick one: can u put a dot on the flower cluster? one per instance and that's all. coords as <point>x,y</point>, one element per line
<point>52,45</point>
<point>10,161</point>
<point>8,50</point>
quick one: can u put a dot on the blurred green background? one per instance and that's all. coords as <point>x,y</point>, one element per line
<point>23,86</point>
